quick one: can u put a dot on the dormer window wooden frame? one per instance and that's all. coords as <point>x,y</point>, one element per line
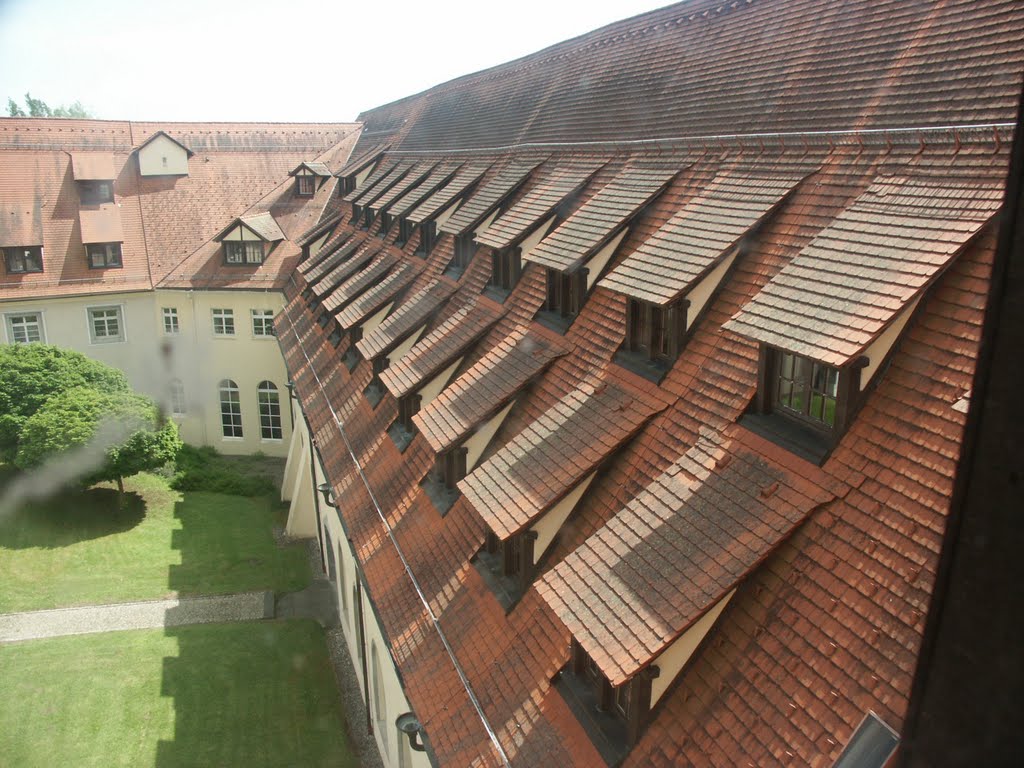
<point>442,483</point>
<point>402,429</point>
<point>104,255</point>
<point>566,292</point>
<point>655,332</point>
<point>508,566</point>
<point>23,259</point>
<point>465,249</point>
<point>305,185</point>
<point>506,269</point>
<point>428,237</point>
<point>803,404</point>
<point>241,253</point>
<point>374,391</point>
<point>94,192</point>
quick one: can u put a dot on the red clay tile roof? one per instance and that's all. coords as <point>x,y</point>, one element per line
<point>333,258</point>
<point>463,180</point>
<point>359,282</point>
<point>377,296</point>
<point>416,176</point>
<point>93,166</point>
<point>555,185</point>
<point>431,354</point>
<point>413,313</point>
<point>698,235</point>
<point>487,386</point>
<point>380,181</point>
<point>437,178</point>
<point>316,168</point>
<point>21,224</point>
<point>101,224</point>
<point>189,152</point>
<point>843,289</point>
<point>488,196</point>
<point>680,546</point>
<point>324,226</point>
<point>262,225</point>
<point>363,253</point>
<point>363,160</point>
<point>553,453</point>
<point>594,222</point>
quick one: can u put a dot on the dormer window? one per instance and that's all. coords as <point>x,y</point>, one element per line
<point>305,186</point>
<point>506,268</point>
<point>243,252</point>
<point>103,255</point>
<point>566,292</point>
<point>95,192</point>
<point>428,235</point>
<point>465,248</point>
<point>23,259</point>
<point>248,240</point>
<point>402,429</point>
<point>654,336</point>
<point>806,389</point>
<point>441,484</point>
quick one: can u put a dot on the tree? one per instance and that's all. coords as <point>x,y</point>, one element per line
<point>39,108</point>
<point>32,373</point>
<point>101,435</point>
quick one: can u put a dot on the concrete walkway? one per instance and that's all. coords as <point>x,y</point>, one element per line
<point>149,614</point>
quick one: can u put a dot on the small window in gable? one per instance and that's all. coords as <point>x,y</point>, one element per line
<point>95,192</point>
<point>241,252</point>
<point>104,255</point>
<point>24,259</point>
<point>305,185</point>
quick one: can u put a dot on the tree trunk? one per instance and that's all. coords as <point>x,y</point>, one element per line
<point>120,489</point>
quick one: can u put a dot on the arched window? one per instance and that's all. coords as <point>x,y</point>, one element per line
<point>177,397</point>
<point>270,411</point>
<point>380,709</point>
<point>230,409</point>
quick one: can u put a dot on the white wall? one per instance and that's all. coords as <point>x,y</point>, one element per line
<point>162,157</point>
<point>151,359</point>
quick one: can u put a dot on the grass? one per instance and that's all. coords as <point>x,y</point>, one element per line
<point>252,694</point>
<point>79,547</point>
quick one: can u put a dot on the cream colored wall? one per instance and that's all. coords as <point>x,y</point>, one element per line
<point>205,360</point>
<point>535,237</point>
<point>446,214</point>
<point>403,349</point>
<point>316,245</point>
<point>596,264</point>
<point>433,387</point>
<point>674,658</point>
<point>548,526</point>
<point>364,174</point>
<point>485,224</point>
<point>476,445</point>
<point>699,295</point>
<point>151,158</point>
<point>241,232</point>
<point>880,347</point>
<point>396,703</point>
<point>370,325</point>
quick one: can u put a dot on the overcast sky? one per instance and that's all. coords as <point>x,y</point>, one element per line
<point>268,60</point>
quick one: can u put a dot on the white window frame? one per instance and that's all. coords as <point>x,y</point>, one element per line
<point>9,325</point>
<point>122,335</point>
<point>176,395</point>
<point>234,403</point>
<point>227,319</point>
<point>172,327</point>
<point>261,318</point>
<point>268,399</point>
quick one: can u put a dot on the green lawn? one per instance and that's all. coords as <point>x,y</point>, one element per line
<point>80,548</point>
<point>248,694</point>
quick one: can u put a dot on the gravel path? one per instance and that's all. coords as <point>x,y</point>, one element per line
<point>149,614</point>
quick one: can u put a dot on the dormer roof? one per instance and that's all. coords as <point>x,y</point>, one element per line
<point>262,225</point>
<point>167,136</point>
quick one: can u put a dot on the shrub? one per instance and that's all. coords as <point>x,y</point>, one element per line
<point>204,469</point>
